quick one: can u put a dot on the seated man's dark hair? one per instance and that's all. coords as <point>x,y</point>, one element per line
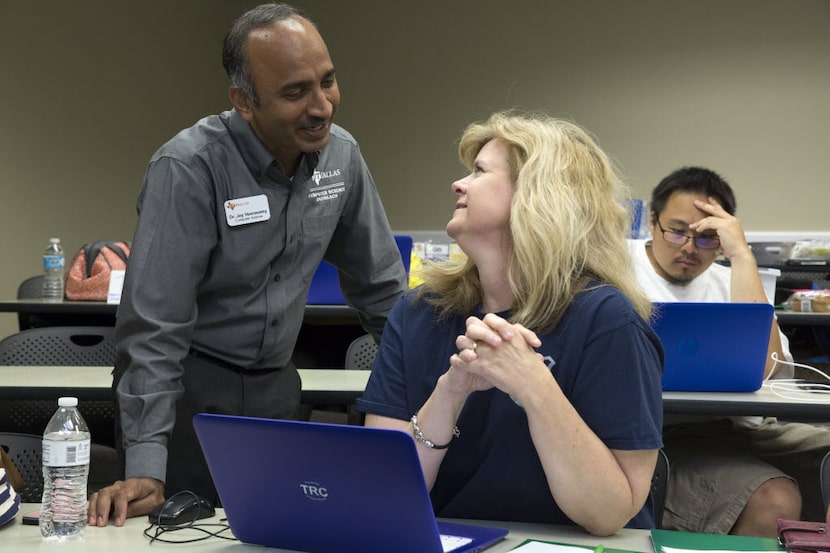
<point>697,180</point>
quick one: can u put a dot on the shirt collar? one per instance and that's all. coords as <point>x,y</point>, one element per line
<point>253,151</point>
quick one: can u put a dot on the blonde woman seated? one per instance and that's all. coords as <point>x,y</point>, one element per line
<point>527,374</point>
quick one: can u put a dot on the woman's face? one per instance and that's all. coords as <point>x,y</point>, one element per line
<point>482,211</point>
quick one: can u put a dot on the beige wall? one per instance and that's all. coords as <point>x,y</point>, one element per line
<point>91,88</point>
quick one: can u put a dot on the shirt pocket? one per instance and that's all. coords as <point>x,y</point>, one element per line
<point>317,233</point>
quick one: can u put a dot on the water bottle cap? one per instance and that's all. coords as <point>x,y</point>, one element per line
<point>54,240</point>
<point>67,402</point>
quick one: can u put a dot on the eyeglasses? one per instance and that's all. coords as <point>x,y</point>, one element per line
<point>680,239</point>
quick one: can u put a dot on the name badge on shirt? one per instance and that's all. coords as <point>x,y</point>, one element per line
<point>244,211</point>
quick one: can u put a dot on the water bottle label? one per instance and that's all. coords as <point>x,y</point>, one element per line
<point>65,453</point>
<point>53,262</point>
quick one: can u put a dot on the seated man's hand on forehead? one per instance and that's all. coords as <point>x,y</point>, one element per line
<point>727,227</point>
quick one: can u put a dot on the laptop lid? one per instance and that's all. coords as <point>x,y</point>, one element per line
<point>713,347</point>
<point>325,488</point>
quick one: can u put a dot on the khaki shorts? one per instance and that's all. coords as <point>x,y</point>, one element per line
<point>716,466</point>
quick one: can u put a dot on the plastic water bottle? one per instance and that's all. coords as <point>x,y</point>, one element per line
<point>66,448</point>
<point>53,267</point>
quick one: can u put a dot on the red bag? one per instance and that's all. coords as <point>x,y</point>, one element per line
<point>89,272</point>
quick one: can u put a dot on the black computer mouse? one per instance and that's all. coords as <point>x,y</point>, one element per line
<point>182,508</point>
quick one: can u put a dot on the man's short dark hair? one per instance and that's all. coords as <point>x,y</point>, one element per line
<point>696,180</point>
<point>234,57</point>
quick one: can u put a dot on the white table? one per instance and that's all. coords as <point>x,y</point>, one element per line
<point>320,386</point>
<point>16,537</point>
<point>336,386</point>
<point>771,401</point>
<point>343,313</point>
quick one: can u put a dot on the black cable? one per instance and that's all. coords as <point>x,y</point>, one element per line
<point>162,529</point>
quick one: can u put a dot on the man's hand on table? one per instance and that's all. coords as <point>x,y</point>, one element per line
<point>124,499</point>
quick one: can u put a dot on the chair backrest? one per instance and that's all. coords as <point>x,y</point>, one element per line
<point>30,416</point>
<point>660,486</point>
<point>825,481</point>
<point>361,353</point>
<point>30,288</point>
<point>61,346</point>
<point>25,452</point>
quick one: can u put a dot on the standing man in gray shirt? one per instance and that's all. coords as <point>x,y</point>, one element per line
<point>235,214</point>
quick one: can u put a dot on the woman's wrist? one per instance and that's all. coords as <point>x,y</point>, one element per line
<point>434,424</point>
<point>447,393</point>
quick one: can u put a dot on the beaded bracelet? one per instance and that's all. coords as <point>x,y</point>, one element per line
<point>419,436</point>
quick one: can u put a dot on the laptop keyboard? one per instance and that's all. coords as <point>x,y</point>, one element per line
<point>451,543</point>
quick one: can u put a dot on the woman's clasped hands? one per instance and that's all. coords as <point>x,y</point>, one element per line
<point>496,353</point>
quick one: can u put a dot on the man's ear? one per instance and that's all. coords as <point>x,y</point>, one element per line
<point>241,102</point>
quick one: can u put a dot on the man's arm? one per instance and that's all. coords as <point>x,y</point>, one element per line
<point>745,285</point>
<point>363,249</point>
<point>155,320</point>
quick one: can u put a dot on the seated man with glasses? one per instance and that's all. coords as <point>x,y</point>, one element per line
<point>733,475</point>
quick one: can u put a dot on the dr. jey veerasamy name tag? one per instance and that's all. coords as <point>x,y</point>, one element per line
<point>243,211</point>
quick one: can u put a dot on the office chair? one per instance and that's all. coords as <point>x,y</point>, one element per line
<point>825,481</point>
<point>361,353</point>
<point>61,346</point>
<point>660,486</point>
<point>58,346</point>
<point>30,288</point>
<point>359,356</point>
<point>30,416</point>
<point>25,452</point>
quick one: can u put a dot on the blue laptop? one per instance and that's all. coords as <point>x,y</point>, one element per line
<point>325,283</point>
<point>713,347</point>
<point>327,488</point>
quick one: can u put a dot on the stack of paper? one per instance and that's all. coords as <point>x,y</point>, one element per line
<point>668,541</point>
<point>537,546</point>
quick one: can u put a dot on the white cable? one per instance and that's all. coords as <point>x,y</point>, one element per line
<point>800,365</point>
<point>798,393</point>
<point>793,388</point>
<point>774,357</point>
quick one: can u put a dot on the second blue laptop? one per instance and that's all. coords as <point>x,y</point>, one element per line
<point>326,488</point>
<point>713,347</point>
